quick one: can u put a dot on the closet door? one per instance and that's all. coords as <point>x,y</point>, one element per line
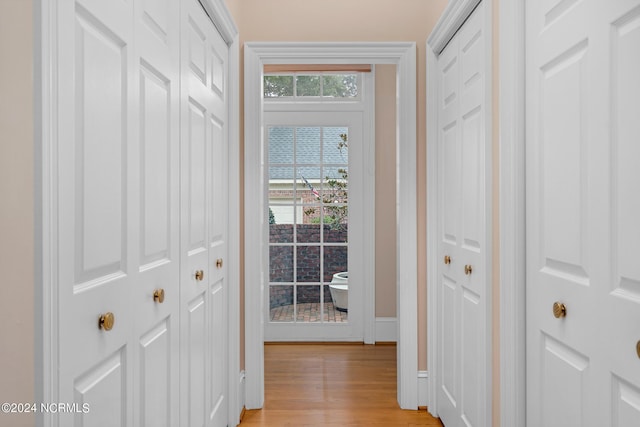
<point>117,212</point>
<point>463,230</point>
<point>204,374</point>
<point>97,211</point>
<point>156,293</point>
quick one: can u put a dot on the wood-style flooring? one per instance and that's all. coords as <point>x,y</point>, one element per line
<point>331,385</point>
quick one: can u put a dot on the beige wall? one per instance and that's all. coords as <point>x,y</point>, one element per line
<point>16,209</point>
<point>355,20</point>
<point>385,259</point>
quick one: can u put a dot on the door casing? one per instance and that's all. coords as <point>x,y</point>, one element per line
<point>403,55</point>
<point>454,16</point>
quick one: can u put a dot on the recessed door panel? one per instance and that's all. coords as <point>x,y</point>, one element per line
<point>101,394</point>
<point>449,351</point>
<point>625,403</point>
<point>564,132</point>
<point>195,361</point>
<point>197,176</point>
<point>156,166</point>
<point>451,184</point>
<point>563,384</point>
<point>625,68</point>
<point>155,376</point>
<point>101,92</point>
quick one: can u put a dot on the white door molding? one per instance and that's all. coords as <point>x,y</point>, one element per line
<point>404,56</point>
<point>454,16</point>
<point>512,213</point>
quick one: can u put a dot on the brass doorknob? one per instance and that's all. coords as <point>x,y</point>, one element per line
<point>638,348</point>
<point>199,275</point>
<point>447,259</point>
<point>106,321</point>
<point>158,295</point>
<point>468,269</point>
<point>219,263</point>
<point>559,310</point>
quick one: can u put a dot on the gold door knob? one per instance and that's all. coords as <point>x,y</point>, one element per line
<point>158,295</point>
<point>106,321</point>
<point>447,259</point>
<point>638,348</point>
<point>468,269</point>
<point>559,310</point>
<point>219,263</point>
<point>199,275</point>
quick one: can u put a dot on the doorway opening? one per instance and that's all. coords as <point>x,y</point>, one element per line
<point>403,56</point>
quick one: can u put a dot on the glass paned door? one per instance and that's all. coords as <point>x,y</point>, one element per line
<point>309,183</point>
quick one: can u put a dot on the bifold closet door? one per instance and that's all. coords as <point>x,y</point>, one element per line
<point>204,201</point>
<point>116,189</point>
<point>583,234</point>
<point>463,229</point>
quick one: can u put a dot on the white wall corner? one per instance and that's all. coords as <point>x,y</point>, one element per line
<point>423,388</point>
<point>386,329</point>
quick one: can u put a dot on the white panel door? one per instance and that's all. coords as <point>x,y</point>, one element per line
<point>583,182</point>
<point>97,210</point>
<point>462,239</point>
<point>156,292</point>
<point>118,210</point>
<point>204,141</point>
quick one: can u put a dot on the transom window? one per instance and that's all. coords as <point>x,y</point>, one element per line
<point>316,86</point>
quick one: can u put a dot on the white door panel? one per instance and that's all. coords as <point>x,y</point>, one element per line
<point>96,211</point>
<point>156,376</point>
<point>205,223</point>
<point>583,83</point>
<point>462,232</point>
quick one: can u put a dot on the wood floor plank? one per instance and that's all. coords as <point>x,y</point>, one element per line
<point>331,385</point>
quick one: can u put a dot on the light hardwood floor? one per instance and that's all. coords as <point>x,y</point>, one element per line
<point>332,385</point>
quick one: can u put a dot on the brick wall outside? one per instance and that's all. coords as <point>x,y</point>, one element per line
<point>308,261</point>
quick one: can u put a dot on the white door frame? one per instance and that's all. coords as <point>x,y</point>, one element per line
<point>45,147</point>
<point>512,213</point>
<point>454,16</point>
<point>403,55</point>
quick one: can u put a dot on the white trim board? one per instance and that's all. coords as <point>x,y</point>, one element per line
<point>386,329</point>
<point>403,55</point>
<point>423,388</point>
<point>454,16</point>
<point>512,213</point>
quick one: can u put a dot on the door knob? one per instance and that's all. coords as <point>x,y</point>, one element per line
<point>106,321</point>
<point>447,259</point>
<point>219,263</point>
<point>158,295</point>
<point>468,269</point>
<point>638,348</point>
<point>559,310</point>
<point>199,275</point>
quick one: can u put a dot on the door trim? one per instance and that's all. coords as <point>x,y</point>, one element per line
<point>512,213</point>
<point>45,196</point>
<point>454,16</point>
<point>402,54</point>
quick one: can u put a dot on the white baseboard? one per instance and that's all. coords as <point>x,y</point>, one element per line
<point>386,329</point>
<point>241,393</point>
<point>423,388</point>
